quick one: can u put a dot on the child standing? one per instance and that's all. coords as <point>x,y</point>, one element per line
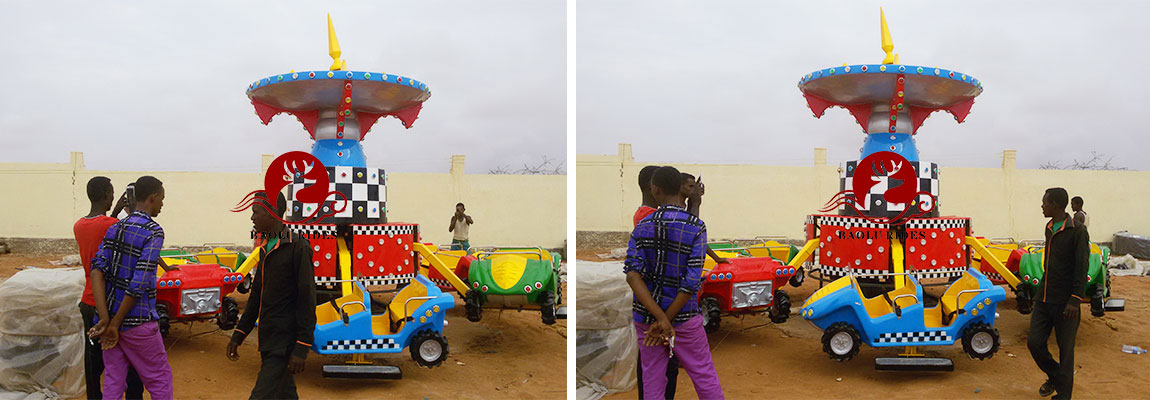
<point>89,232</point>
<point>664,266</point>
<point>124,289</point>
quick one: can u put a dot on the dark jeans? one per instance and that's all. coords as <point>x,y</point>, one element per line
<point>1043,319</point>
<point>274,380</point>
<point>672,376</point>
<point>94,362</point>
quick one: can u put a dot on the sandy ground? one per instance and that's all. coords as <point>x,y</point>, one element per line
<point>506,355</point>
<point>755,358</point>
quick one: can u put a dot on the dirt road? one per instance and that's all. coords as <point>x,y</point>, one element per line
<point>757,359</point>
<point>506,355</point>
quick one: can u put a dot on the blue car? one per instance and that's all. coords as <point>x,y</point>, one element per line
<point>414,319</point>
<point>897,318</point>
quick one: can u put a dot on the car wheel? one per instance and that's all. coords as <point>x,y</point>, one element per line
<point>781,309</point>
<point>547,307</point>
<point>1025,305</point>
<point>164,321</point>
<point>709,307</point>
<point>797,279</point>
<point>245,285</point>
<point>428,348</point>
<point>980,341</point>
<point>229,314</point>
<point>472,304</point>
<point>841,341</point>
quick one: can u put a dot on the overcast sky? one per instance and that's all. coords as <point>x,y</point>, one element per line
<point>715,81</point>
<point>145,85</point>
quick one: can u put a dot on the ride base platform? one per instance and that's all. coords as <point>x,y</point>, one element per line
<point>913,364</point>
<point>356,371</point>
<point>912,360</point>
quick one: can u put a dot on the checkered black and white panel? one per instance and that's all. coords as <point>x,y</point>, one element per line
<point>361,344</point>
<point>937,223</point>
<point>312,230</point>
<point>994,276</point>
<point>326,281</point>
<point>364,188</point>
<point>913,337</point>
<point>875,204</point>
<point>838,272</point>
<point>390,230</point>
<point>370,280</point>
<point>851,222</point>
<point>386,280</point>
<point>939,273</point>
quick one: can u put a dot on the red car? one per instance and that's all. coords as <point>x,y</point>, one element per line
<point>746,285</point>
<point>197,292</point>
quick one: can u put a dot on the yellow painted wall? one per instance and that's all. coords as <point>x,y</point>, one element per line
<point>43,200</point>
<point>744,201</point>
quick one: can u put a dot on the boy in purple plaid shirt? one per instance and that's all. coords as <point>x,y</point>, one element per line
<point>124,286</point>
<point>664,269</point>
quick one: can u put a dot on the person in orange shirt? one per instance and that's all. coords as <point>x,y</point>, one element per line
<point>89,232</point>
<point>648,205</point>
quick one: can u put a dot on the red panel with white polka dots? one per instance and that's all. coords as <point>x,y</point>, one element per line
<point>865,249</point>
<point>935,248</point>
<point>385,254</point>
<point>324,255</point>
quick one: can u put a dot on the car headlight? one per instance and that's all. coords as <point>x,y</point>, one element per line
<point>751,294</point>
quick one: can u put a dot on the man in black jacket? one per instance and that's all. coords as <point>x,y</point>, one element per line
<point>283,299</point>
<point>1060,294</point>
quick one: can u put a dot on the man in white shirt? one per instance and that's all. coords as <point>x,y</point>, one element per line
<point>460,226</point>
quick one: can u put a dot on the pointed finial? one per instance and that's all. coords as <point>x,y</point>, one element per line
<point>333,47</point>
<point>887,44</point>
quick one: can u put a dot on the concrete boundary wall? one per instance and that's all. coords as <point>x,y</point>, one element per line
<point>43,200</point>
<point>743,201</point>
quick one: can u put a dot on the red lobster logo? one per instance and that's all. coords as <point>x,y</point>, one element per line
<point>296,164</point>
<point>867,174</point>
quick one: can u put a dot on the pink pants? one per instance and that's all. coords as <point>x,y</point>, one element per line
<point>141,347</point>
<point>694,356</point>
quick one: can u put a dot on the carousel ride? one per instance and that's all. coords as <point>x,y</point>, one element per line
<point>886,228</point>
<point>354,246</point>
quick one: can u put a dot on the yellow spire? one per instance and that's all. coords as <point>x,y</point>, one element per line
<point>887,44</point>
<point>333,47</point>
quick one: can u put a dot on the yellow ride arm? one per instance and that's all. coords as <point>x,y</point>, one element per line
<point>897,263</point>
<point>1008,276</point>
<point>344,267</point>
<point>429,255</point>
<point>804,254</point>
<point>249,264</point>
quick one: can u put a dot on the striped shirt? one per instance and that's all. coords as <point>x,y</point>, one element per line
<point>667,249</point>
<point>128,257</point>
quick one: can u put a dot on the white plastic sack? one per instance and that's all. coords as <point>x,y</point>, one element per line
<point>1127,265</point>
<point>606,347</point>
<point>41,339</point>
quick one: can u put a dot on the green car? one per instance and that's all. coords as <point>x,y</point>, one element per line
<point>1030,272</point>
<point>514,278</point>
